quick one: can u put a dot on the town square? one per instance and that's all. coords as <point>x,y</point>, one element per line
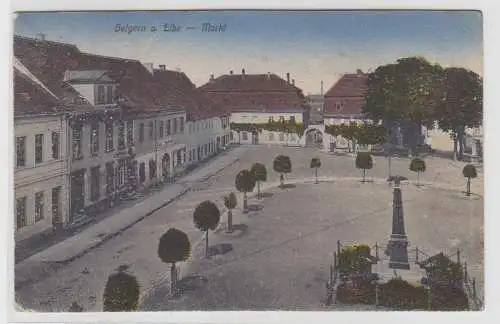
<point>141,186</point>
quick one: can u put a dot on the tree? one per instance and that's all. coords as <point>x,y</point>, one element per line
<point>316,163</point>
<point>364,161</point>
<point>460,105</point>
<point>121,293</point>
<point>245,182</point>
<point>405,93</point>
<point>260,174</point>
<point>174,247</point>
<point>206,217</point>
<point>417,165</point>
<point>469,172</point>
<point>282,165</point>
<point>230,202</point>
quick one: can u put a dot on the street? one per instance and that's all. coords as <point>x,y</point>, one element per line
<point>281,259</point>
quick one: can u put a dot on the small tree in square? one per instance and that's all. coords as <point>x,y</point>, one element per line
<point>206,217</point>
<point>417,165</point>
<point>316,163</point>
<point>282,165</point>
<point>121,293</point>
<point>245,182</point>
<point>260,174</point>
<point>469,172</point>
<point>174,247</point>
<point>364,161</point>
<point>230,202</point>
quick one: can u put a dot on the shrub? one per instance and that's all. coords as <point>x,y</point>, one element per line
<point>206,217</point>
<point>282,164</point>
<point>364,161</point>
<point>260,174</point>
<point>174,247</point>
<point>469,172</point>
<point>121,293</point>
<point>398,293</point>
<point>417,165</point>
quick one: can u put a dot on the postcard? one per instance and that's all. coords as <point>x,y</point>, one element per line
<point>248,160</point>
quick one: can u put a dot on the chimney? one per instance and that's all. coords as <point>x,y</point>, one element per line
<point>321,87</point>
<point>40,36</point>
<point>231,72</point>
<point>162,67</point>
<point>211,77</point>
<point>359,72</point>
<point>288,77</point>
<point>293,82</point>
<point>149,67</point>
<point>269,75</point>
<point>397,249</point>
<point>242,73</point>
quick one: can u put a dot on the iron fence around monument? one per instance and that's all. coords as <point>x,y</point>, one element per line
<point>415,255</point>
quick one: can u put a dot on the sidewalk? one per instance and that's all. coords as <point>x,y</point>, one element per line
<point>47,261</point>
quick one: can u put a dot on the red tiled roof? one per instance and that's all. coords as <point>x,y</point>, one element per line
<point>196,104</point>
<point>138,91</point>
<point>349,93</point>
<point>350,85</point>
<point>255,92</point>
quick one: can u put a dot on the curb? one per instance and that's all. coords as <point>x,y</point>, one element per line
<point>118,232</point>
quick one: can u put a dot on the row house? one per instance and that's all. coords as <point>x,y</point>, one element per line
<point>118,127</point>
<point>259,99</point>
<point>206,132</point>
<point>40,177</point>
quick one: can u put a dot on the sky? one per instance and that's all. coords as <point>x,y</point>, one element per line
<point>312,46</point>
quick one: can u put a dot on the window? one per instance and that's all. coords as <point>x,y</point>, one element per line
<point>77,142</point>
<point>21,212</point>
<point>282,137</point>
<point>39,206</point>
<point>55,145</point>
<point>109,177</point>
<point>109,136</point>
<point>271,136</point>
<point>101,96</point>
<point>121,135</point>
<point>174,126</point>
<point>94,139</point>
<point>181,124</point>
<point>121,173</point>
<point>282,119</point>
<point>292,119</point>
<point>141,132</point>
<point>21,151</point>
<point>56,210</point>
<point>109,94</point>
<point>130,133</point>
<point>161,128</point>
<point>179,157</point>
<point>244,136</point>
<point>169,129</point>
<point>38,148</point>
<point>95,175</point>
<point>151,129</point>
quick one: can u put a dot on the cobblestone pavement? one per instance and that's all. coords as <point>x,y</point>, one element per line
<point>283,218</point>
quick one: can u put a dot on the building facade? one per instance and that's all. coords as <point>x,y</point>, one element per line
<point>259,99</point>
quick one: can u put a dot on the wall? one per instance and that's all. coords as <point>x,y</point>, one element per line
<point>44,176</point>
<point>263,117</point>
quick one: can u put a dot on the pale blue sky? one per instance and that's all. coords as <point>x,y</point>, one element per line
<point>311,45</point>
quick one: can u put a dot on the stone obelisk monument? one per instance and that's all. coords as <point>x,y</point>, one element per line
<point>397,249</point>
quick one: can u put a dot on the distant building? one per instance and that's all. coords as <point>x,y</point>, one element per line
<point>259,99</point>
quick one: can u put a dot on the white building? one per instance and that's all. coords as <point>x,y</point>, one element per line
<point>259,99</point>
<point>40,164</point>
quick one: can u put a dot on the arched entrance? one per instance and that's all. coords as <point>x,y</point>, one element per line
<point>165,166</point>
<point>314,137</point>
